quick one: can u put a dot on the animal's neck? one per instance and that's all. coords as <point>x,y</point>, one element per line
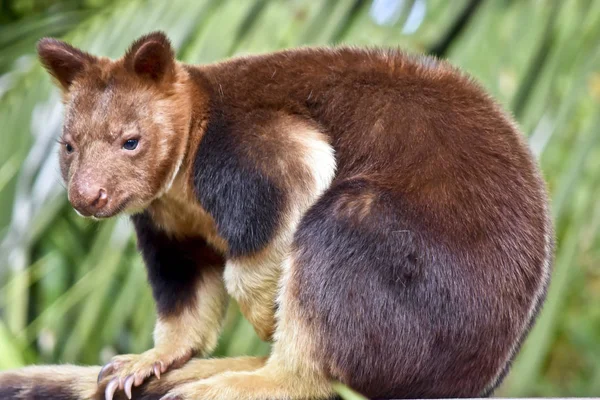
<point>196,99</point>
<point>177,210</point>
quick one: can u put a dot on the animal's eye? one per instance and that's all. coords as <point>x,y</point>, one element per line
<point>68,147</point>
<point>131,144</point>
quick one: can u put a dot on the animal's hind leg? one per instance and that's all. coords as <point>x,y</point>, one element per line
<point>298,367</point>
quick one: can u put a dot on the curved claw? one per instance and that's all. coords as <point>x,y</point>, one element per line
<point>111,388</point>
<point>138,379</point>
<point>128,385</point>
<point>157,370</point>
<point>106,370</point>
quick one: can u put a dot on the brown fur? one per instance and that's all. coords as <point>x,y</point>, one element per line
<point>382,219</point>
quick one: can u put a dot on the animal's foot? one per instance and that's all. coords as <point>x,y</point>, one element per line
<point>265,383</point>
<point>196,391</point>
<point>224,386</point>
<point>125,371</point>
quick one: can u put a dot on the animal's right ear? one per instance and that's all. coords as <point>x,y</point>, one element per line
<point>63,61</point>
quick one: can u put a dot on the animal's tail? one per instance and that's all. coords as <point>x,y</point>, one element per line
<point>52,382</point>
<point>69,382</point>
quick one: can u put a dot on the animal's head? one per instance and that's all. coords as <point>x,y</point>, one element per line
<point>126,123</point>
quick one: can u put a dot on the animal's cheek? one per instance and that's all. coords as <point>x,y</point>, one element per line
<point>64,170</point>
<point>124,171</point>
<point>136,178</point>
<point>157,167</point>
<point>67,167</point>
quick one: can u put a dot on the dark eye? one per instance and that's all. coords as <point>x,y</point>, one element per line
<point>68,147</point>
<point>131,144</point>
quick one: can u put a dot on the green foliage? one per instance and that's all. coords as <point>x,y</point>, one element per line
<point>75,291</point>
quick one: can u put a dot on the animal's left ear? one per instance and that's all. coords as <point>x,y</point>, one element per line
<point>63,61</point>
<point>152,57</point>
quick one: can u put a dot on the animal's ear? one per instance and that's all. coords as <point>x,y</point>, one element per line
<point>152,57</point>
<point>63,61</point>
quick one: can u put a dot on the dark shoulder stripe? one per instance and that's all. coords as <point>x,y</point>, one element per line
<point>245,204</point>
<point>174,266</point>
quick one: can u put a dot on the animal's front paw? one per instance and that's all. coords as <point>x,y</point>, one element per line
<point>125,371</point>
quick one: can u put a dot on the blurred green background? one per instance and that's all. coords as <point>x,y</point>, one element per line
<point>73,290</point>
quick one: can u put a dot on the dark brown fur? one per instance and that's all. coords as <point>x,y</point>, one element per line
<point>455,216</point>
<point>418,270</point>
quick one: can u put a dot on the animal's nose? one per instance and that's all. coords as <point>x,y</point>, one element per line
<point>88,199</point>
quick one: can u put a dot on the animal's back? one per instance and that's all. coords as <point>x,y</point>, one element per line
<point>425,261</point>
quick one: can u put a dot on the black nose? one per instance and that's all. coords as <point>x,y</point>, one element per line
<point>87,198</point>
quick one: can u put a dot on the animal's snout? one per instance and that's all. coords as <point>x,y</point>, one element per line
<point>88,198</point>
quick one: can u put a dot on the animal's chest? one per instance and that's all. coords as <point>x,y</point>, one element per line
<point>182,216</point>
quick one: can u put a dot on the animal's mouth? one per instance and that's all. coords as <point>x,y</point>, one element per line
<point>107,212</point>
